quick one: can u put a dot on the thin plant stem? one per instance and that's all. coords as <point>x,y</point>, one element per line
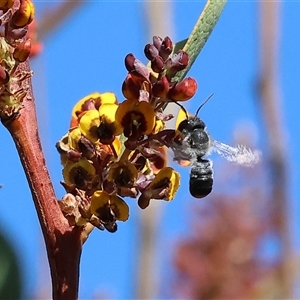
<point>270,101</point>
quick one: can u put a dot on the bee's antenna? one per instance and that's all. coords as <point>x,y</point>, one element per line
<point>186,113</point>
<point>203,104</point>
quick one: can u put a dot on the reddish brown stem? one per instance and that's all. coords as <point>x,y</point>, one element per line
<point>63,242</point>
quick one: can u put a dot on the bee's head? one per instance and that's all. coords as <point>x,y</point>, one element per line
<point>190,124</point>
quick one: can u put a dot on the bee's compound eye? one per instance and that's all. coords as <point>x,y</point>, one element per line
<point>200,188</point>
<point>184,125</point>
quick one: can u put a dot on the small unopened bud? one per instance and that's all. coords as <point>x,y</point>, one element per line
<point>150,51</point>
<point>177,62</point>
<point>183,90</point>
<point>132,64</point>
<point>157,41</point>
<point>22,51</point>
<point>157,64</point>
<point>166,48</point>
<point>161,87</point>
<point>68,203</point>
<point>129,89</point>
<point>4,77</point>
<point>16,33</point>
<point>24,15</point>
<point>129,62</point>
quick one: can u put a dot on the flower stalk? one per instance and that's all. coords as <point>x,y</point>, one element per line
<point>110,151</point>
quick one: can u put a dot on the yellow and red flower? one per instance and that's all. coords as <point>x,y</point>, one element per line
<point>137,118</point>
<point>80,174</point>
<point>163,186</point>
<point>104,204</point>
<point>123,174</point>
<point>120,150</point>
<point>91,101</point>
<point>100,124</point>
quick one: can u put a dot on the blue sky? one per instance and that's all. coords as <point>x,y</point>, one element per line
<point>86,54</point>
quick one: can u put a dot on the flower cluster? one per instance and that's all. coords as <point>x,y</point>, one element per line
<point>15,48</point>
<point>115,150</point>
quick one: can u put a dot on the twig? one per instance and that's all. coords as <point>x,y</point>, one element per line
<point>63,242</point>
<point>59,14</point>
<point>269,92</point>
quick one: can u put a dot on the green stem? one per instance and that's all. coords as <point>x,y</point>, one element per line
<point>201,32</point>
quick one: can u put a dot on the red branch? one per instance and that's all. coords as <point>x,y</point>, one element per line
<point>63,242</point>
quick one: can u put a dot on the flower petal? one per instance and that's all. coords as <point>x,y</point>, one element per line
<point>102,203</point>
<point>107,114</point>
<point>123,174</point>
<point>98,201</point>
<point>86,103</point>
<point>165,184</point>
<point>74,136</point>
<point>119,207</point>
<point>136,117</point>
<point>89,124</point>
<point>79,173</point>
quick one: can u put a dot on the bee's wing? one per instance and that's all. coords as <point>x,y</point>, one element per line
<point>239,155</point>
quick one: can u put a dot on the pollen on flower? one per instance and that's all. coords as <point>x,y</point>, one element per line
<point>115,150</point>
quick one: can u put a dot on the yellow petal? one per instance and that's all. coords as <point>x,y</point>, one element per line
<point>119,207</point>
<point>99,200</point>
<point>159,126</point>
<point>74,136</point>
<point>76,172</point>
<point>107,113</point>
<point>123,109</point>
<point>168,178</point>
<point>141,114</point>
<point>147,110</point>
<point>107,98</point>
<point>116,144</point>
<point>89,124</point>
<point>123,173</point>
<point>180,117</point>
<point>24,15</point>
<point>79,106</point>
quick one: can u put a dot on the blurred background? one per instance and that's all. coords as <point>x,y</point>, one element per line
<point>240,242</point>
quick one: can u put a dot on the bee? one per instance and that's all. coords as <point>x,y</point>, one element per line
<point>193,143</point>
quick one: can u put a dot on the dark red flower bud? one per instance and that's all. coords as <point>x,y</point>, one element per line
<point>157,64</point>
<point>129,62</point>
<point>130,89</point>
<point>134,65</point>
<point>141,70</point>
<point>166,48</point>
<point>15,33</point>
<point>183,90</point>
<point>178,61</point>
<point>4,77</point>
<point>161,87</point>
<point>150,51</point>
<point>157,41</point>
